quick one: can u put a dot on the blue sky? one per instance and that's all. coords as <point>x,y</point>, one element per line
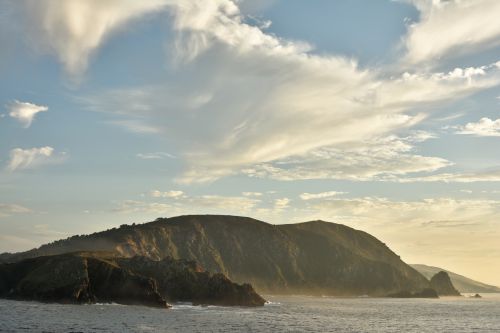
<point>382,115</point>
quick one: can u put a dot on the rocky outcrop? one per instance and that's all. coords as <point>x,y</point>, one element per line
<point>460,282</point>
<point>71,278</point>
<point>99,277</point>
<point>315,257</point>
<point>183,280</point>
<point>442,284</point>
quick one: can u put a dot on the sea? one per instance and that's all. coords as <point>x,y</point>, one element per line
<point>280,314</point>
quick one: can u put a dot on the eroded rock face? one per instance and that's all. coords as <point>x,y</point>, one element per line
<point>72,278</point>
<point>92,277</point>
<point>441,282</point>
<point>183,280</point>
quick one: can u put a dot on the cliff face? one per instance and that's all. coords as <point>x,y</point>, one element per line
<point>312,258</point>
<point>73,278</point>
<point>442,284</point>
<point>97,277</point>
<point>182,280</point>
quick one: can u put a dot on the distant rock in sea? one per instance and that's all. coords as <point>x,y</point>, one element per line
<point>442,284</point>
<point>314,258</point>
<point>92,277</point>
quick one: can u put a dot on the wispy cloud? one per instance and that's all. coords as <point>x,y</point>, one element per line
<point>11,209</point>
<point>450,28</point>
<point>322,195</point>
<point>73,30</point>
<point>294,102</point>
<point>252,194</point>
<point>135,126</point>
<point>134,206</point>
<point>167,194</point>
<point>388,212</point>
<point>378,159</point>
<point>177,202</point>
<point>154,156</point>
<point>31,158</point>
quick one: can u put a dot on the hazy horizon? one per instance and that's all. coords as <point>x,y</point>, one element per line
<point>380,115</point>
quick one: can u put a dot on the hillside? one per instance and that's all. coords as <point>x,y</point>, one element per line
<point>462,283</point>
<point>311,258</point>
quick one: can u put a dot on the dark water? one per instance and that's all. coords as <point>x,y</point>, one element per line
<point>283,314</point>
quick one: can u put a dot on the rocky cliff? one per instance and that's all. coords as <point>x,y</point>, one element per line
<point>101,277</point>
<point>442,284</point>
<point>310,258</point>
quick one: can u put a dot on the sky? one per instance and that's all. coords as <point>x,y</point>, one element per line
<point>381,115</point>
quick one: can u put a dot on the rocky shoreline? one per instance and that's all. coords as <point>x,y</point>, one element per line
<point>86,278</point>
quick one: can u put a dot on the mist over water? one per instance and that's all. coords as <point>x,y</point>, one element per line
<point>282,314</point>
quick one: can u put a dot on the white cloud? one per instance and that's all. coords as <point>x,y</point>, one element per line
<point>168,194</point>
<point>276,99</point>
<point>378,159</point>
<point>282,203</point>
<point>437,212</point>
<point>484,127</point>
<point>135,126</point>
<point>322,195</point>
<point>11,209</point>
<point>492,175</point>
<point>251,194</point>
<point>21,159</point>
<point>295,105</point>
<point>154,156</point>
<point>451,27</point>
<point>74,29</point>
<point>25,112</point>
<point>133,206</point>
<point>224,203</point>
<point>176,204</point>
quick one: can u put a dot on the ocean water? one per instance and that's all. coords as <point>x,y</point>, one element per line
<point>282,314</point>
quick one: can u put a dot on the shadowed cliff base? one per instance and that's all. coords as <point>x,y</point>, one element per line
<point>93,277</point>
